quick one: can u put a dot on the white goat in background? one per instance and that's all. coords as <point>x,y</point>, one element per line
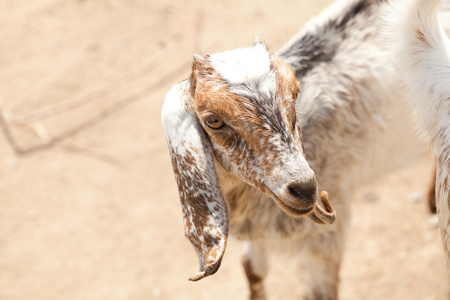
<point>245,138</point>
<point>422,51</point>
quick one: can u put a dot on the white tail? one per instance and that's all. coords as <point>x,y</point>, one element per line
<point>421,50</point>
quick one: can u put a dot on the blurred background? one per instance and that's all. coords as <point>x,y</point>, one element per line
<point>88,204</point>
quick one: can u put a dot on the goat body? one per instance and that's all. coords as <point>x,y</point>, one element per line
<point>244,142</point>
<point>422,53</point>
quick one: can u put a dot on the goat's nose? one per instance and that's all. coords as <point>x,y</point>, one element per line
<point>303,190</point>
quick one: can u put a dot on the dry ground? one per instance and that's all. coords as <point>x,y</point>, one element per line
<point>97,216</point>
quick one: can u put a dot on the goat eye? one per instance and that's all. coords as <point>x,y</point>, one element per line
<point>214,122</point>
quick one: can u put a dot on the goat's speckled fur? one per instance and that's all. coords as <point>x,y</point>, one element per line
<point>421,50</point>
<point>353,129</point>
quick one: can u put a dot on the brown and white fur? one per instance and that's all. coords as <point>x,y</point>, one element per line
<point>251,146</point>
<point>422,51</point>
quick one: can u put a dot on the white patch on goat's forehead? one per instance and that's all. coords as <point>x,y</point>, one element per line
<point>242,65</point>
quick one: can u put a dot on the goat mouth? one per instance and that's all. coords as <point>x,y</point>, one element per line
<point>296,212</point>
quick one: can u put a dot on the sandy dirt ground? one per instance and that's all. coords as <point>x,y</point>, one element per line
<point>88,204</point>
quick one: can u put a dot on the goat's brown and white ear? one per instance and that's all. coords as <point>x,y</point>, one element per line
<point>205,211</point>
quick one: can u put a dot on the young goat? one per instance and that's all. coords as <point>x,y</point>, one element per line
<point>238,130</point>
<point>422,51</point>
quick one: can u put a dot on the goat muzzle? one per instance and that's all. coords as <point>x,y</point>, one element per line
<point>325,214</point>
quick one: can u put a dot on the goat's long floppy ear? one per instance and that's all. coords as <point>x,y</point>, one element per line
<point>205,211</point>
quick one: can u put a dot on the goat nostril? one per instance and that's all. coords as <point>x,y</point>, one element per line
<point>303,191</point>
